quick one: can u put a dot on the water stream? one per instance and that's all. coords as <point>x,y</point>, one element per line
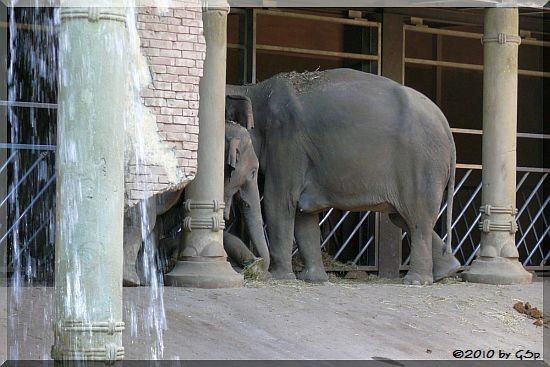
<point>33,49</point>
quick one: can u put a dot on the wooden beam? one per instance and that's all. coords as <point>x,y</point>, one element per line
<point>388,236</point>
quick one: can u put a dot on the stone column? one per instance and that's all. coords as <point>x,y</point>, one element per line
<point>497,262</point>
<point>92,99</point>
<point>203,261</point>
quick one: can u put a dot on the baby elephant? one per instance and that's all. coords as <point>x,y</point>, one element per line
<point>143,222</point>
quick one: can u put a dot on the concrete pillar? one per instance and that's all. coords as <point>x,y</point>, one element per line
<point>203,261</point>
<point>497,262</point>
<point>92,99</point>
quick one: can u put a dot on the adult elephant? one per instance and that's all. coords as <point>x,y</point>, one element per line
<point>141,222</point>
<point>354,141</point>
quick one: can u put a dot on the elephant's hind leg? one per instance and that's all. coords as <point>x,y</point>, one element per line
<point>421,270</point>
<point>307,234</point>
<point>444,264</point>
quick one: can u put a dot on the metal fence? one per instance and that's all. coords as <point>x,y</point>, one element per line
<point>340,231</point>
<point>30,200</point>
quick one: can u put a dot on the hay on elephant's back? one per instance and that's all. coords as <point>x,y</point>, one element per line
<point>303,81</point>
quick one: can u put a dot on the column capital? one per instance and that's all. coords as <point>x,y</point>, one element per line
<point>212,5</point>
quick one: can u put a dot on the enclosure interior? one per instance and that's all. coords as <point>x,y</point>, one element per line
<point>436,51</point>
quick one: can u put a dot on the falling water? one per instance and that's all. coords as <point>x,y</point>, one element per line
<point>32,77</point>
<point>152,319</point>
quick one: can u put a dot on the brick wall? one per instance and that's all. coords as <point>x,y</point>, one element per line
<point>174,48</point>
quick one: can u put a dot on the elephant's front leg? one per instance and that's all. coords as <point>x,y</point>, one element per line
<point>307,234</point>
<point>280,228</point>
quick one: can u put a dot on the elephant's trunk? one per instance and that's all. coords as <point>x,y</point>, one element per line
<point>252,213</point>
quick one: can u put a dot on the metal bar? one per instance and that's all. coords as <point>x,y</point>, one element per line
<point>457,187</point>
<point>540,203</point>
<point>546,257</point>
<point>7,162</point>
<point>533,169</point>
<point>472,35</point>
<point>455,130</point>
<point>480,132</point>
<point>27,173</point>
<point>523,178</point>
<point>460,65</point>
<point>468,166</point>
<point>518,169</point>
<point>520,229</point>
<point>533,222</point>
<point>466,224</point>
<point>34,200</point>
<point>345,244</point>
<point>50,106</point>
<point>28,242</point>
<point>472,226</point>
<point>357,22</point>
<point>531,196</point>
<point>326,216</point>
<point>331,233</point>
<point>478,188</point>
<point>27,146</point>
<point>365,247</point>
<point>537,246</point>
<point>343,55</point>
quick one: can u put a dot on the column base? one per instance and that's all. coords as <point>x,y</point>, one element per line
<point>498,270</point>
<point>204,274</point>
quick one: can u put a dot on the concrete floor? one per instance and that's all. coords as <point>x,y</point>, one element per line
<point>294,320</point>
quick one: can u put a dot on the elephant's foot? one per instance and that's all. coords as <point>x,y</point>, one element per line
<point>313,275</point>
<point>446,267</point>
<point>282,275</point>
<point>414,278</point>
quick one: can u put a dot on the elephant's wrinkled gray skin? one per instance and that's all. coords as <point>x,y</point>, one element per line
<point>353,141</point>
<point>240,178</point>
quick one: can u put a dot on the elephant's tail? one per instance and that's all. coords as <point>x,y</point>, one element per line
<point>450,197</point>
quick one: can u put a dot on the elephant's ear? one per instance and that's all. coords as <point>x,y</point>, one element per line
<point>242,105</point>
<point>233,152</point>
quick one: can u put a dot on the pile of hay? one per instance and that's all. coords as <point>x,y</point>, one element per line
<point>329,263</point>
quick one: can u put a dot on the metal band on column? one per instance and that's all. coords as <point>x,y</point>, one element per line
<point>193,219</point>
<point>507,222</point>
<point>501,38</point>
